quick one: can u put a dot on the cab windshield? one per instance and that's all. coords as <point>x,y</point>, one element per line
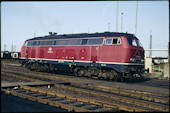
<point>134,42</point>
<point>25,43</point>
<point>139,44</point>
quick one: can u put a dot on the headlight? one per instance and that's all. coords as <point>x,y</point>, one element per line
<point>137,60</point>
<point>142,61</point>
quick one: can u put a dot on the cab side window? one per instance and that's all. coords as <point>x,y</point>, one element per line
<point>108,41</point>
<point>113,41</point>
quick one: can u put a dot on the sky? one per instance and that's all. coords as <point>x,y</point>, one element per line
<point>24,20</point>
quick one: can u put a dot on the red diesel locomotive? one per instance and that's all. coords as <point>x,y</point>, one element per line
<point>108,55</point>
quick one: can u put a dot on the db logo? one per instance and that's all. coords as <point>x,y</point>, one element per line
<point>49,50</point>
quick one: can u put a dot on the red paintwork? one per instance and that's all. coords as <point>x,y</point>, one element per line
<point>106,53</point>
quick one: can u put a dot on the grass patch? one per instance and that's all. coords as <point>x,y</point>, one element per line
<point>158,67</point>
<point>161,76</point>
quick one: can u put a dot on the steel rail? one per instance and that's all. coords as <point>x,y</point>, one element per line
<point>42,73</point>
<point>45,101</point>
<point>134,91</point>
<point>124,92</point>
<point>18,77</point>
<point>80,99</point>
<point>131,93</point>
<point>114,88</point>
<point>52,77</point>
<point>154,106</point>
<point>100,103</point>
<point>61,95</point>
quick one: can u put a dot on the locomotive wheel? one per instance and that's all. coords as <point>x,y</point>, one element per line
<point>40,67</point>
<point>90,72</point>
<point>141,76</point>
<point>116,76</point>
<point>100,74</point>
<point>80,73</point>
<point>36,66</point>
<point>130,77</point>
<point>109,75</point>
<point>33,66</point>
<point>51,68</point>
<point>28,65</point>
<point>23,64</point>
<point>76,70</point>
<point>121,77</point>
<point>45,68</point>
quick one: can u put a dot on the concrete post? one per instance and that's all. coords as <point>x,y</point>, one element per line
<point>166,70</point>
<point>148,64</point>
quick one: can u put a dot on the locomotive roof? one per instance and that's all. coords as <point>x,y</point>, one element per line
<point>83,35</point>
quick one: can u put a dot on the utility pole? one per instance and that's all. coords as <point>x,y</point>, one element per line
<point>150,55</point>
<point>109,27</point>
<point>4,47</point>
<point>12,48</point>
<point>122,23</point>
<point>34,33</point>
<point>169,53</point>
<point>117,16</point>
<point>136,17</point>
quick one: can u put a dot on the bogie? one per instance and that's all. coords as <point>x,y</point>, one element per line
<point>97,72</point>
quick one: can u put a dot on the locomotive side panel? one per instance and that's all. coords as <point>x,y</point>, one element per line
<point>70,54</point>
<point>110,52</point>
<point>77,53</point>
<point>60,53</point>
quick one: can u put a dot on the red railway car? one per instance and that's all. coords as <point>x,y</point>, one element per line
<point>108,55</point>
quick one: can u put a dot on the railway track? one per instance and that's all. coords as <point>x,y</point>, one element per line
<point>24,70</point>
<point>153,83</point>
<point>153,103</point>
<point>49,77</point>
<point>59,100</point>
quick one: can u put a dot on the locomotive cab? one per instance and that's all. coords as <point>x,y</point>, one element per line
<point>135,56</point>
<point>23,53</point>
<point>137,51</point>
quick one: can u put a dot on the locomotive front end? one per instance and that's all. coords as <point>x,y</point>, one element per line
<point>135,57</point>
